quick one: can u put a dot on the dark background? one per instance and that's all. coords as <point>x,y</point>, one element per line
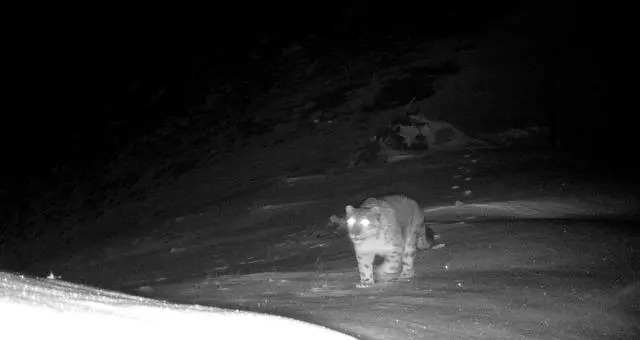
<point>88,83</point>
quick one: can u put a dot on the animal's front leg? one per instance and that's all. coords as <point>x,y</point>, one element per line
<point>365,267</point>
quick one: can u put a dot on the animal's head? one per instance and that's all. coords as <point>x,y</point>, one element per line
<point>362,222</point>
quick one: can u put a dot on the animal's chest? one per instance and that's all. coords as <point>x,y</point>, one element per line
<point>378,245</point>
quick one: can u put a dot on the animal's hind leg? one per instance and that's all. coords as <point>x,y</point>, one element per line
<point>408,256</point>
<point>391,265</point>
<point>423,242</point>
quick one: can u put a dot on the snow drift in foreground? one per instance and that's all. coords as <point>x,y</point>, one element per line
<point>34,308</point>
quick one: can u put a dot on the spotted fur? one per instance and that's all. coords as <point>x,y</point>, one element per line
<point>392,227</point>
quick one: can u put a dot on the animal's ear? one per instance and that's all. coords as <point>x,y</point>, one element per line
<point>349,209</point>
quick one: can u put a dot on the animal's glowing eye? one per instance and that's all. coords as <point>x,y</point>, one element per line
<point>365,222</point>
<point>351,221</point>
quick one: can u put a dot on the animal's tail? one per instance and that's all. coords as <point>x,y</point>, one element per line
<point>431,240</point>
<point>533,209</point>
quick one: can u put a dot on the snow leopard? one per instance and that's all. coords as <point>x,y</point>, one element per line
<point>392,227</point>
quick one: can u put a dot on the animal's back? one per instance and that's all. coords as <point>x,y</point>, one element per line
<point>409,217</point>
<point>407,211</point>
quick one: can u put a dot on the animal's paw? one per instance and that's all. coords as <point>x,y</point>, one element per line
<point>406,275</point>
<point>364,284</point>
